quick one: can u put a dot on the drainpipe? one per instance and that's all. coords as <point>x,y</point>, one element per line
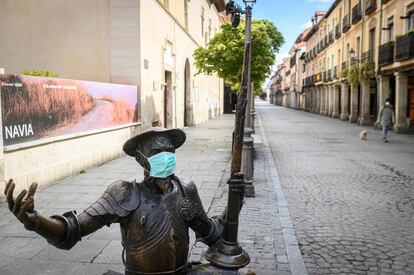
<point>377,124</point>
<point>361,46</point>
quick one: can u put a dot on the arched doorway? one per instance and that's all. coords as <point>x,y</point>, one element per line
<point>188,104</point>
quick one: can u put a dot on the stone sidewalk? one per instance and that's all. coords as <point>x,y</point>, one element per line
<point>266,230</point>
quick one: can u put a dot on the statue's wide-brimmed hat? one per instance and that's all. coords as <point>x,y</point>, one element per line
<point>176,136</point>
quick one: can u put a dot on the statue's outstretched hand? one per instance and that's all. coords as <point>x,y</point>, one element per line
<point>23,206</point>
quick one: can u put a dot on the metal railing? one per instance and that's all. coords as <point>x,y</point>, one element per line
<point>345,24</point>
<point>370,6</point>
<point>338,31</point>
<point>356,13</point>
<point>404,47</point>
<point>386,53</point>
<point>330,37</point>
<point>368,56</point>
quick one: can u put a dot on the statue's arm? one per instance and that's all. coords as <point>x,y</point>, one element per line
<point>208,230</point>
<point>64,231</point>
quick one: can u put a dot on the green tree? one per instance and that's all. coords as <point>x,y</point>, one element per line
<point>224,53</point>
<point>37,72</point>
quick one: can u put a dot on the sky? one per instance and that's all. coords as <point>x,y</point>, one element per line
<point>291,17</point>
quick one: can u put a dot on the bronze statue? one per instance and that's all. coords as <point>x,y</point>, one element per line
<point>154,215</point>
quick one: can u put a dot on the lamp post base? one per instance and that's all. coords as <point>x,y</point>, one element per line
<point>227,255</point>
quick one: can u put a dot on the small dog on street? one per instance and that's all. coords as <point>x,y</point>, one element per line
<point>363,135</point>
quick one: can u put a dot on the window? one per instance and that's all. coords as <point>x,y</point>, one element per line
<point>209,28</point>
<point>206,39</point>
<point>372,39</point>
<point>390,29</point>
<point>410,14</point>
<point>358,47</point>
<point>186,14</point>
<point>347,51</point>
<point>202,20</point>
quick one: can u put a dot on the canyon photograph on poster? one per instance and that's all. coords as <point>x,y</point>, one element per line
<point>35,108</point>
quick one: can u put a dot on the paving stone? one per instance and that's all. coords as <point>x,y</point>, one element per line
<point>83,252</point>
<point>111,254</point>
<point>23,248</point>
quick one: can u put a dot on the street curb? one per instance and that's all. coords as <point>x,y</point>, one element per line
<point>296,263</point>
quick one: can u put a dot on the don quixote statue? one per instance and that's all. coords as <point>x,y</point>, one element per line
<point>154,215</point>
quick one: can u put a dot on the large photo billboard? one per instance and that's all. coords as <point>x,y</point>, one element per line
<point>35,108</point>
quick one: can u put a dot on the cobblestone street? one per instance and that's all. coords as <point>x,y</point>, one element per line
<point>351,201</point>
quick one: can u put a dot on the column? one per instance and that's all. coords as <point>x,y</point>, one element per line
<point>344,105</point>
<point>335,101</point>
<point>318,100</point>
<point>401,94</point>
<point>310,100</point>
<point>353,117</point>
<point>365,118</point>
<point>326,109</point>
<point>330,102</point>
<point>322,109</point>
<point>313,108</point>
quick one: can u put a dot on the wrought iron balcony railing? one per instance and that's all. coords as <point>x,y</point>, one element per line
<point>328,75</point>
<point>335,72</point>
<point>293,61</point>
<point>386,54</point>
<point>368,56</point>
<point>345,24</point>
<point>405,47</point>
<point>370,6</point>
<point>356,14</point>
<point>330,37</point>
<point>338,31</point>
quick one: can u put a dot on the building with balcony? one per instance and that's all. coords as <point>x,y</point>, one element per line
<point>396,61</point>
<point>291,72</point>
<point>368,59</point>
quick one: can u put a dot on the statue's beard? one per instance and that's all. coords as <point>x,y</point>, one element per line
<point>164,185</point>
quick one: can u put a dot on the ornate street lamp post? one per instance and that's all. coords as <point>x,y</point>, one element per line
<point>248,141</point>
<point>227,252</point>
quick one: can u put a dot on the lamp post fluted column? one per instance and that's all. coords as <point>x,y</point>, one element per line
<point>248,141</point>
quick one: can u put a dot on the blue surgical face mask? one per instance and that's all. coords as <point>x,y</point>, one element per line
<point>162,164</point>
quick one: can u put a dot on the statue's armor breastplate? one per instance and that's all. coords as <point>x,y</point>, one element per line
<point>155,237</point>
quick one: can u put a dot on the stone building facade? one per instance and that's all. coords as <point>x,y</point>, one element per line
<point>148,44</point>
<point>357,56</point>
<point>145,43</point>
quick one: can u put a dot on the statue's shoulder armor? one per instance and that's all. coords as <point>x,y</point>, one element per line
<point>119,199</point>
<point>189,188</point>
<point>190,205</point>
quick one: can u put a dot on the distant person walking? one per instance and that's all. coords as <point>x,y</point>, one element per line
<point>386,118</point>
